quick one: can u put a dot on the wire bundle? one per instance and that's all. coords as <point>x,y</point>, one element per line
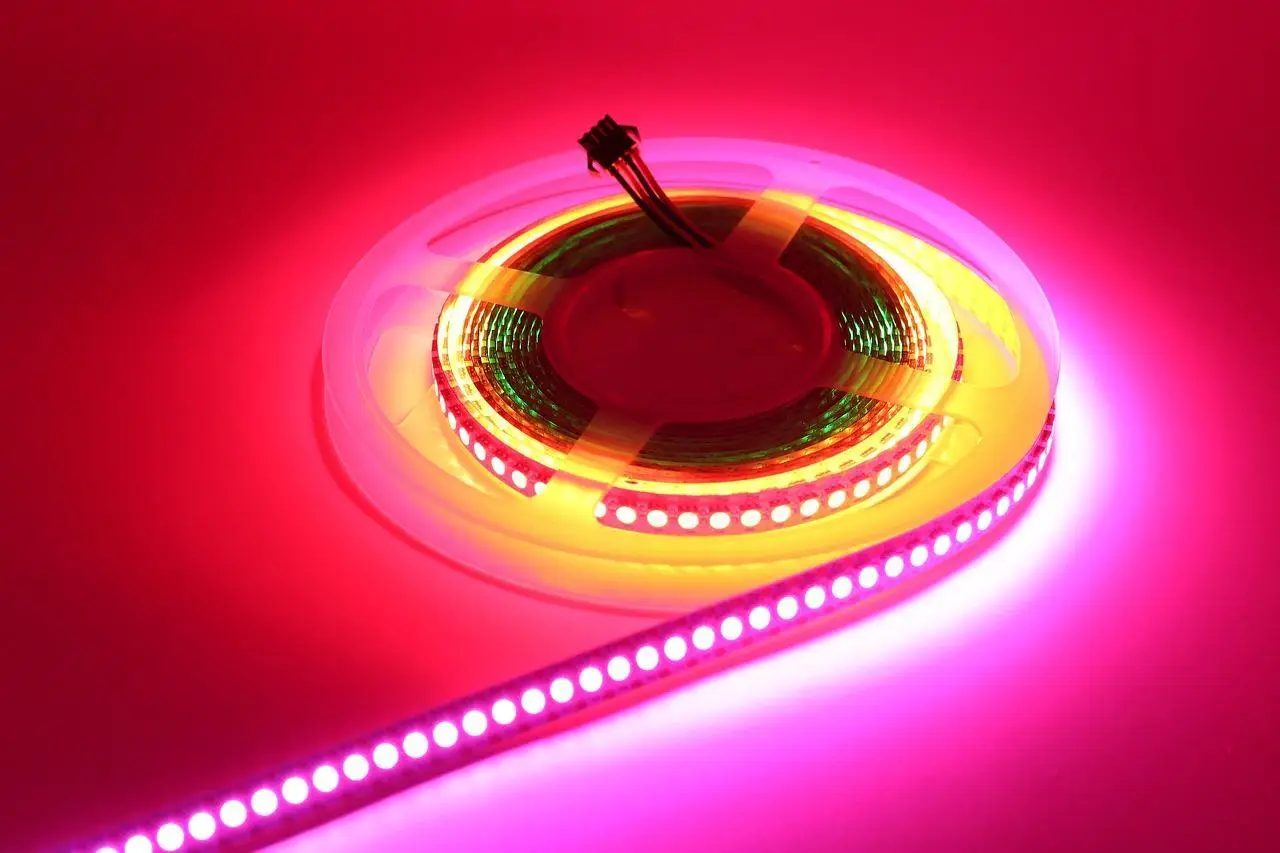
<point>613,147</point>
<point>635,177</point>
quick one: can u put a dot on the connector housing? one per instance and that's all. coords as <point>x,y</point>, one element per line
<point>607,142</point>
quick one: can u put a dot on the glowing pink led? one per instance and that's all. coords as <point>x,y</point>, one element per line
<point>233,814</point>
<point>264,802</point>
<point>170,837</point>
<point>325,779</point>
<point>504,712</point>
<point>475,723</point>
<point>647,658</point>
<point>385,756</point>
<point>202,826</point>
<point>138,844</point>
<point>294,790</point>
<point>415,746</point>
<point>619,668</point>
<point>533,701</point>
<point>562,688</point>
<point>356,767</point>
<point>590,679</point>
<point>445,735</point>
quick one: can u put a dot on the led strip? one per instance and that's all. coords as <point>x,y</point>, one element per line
<point>457,733</point>
<point>761,510</point>
<point>470,728</point>
<point>818,484</point>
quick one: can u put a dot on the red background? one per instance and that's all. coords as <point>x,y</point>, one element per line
<point>188,594</point>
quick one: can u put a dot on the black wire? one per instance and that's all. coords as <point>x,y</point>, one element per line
<point>653,215</point>
<point>647,178</point>
<point>647,204</point>
<point>664,203</point>
<point>619,294</point>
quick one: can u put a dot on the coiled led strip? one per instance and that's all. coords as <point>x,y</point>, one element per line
<point>379,429</point>
<point>472,361</point>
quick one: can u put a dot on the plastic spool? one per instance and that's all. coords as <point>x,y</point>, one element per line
<point>583,524</point>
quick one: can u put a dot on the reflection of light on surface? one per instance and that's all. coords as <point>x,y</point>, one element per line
<point>1022,573</point>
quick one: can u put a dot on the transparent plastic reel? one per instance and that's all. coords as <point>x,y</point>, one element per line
<point>398,447</point>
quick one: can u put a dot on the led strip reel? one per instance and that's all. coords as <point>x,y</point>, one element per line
<point>411,421</point>
<point>831,473</point>
<point>986,449</point>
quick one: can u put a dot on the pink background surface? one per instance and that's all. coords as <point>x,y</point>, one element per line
<point>189,596</point>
